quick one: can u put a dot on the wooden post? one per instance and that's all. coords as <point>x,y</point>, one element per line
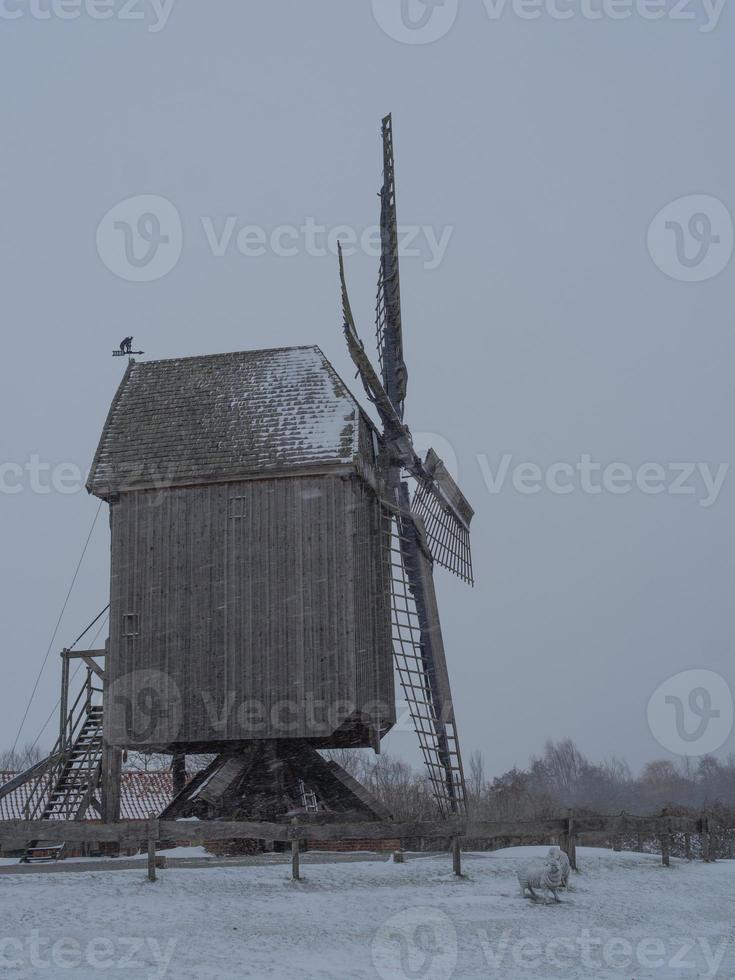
<point>88,689</point>
<point>688,847</point>
<point>457,857</point>
<point>665,840</point>
<point>178,772</point>
<point>711,840</point>
<point>111,767</point>
<point>110,783</point>
<point>64,702</point>
<point>620,832</point>
<point>706,841</point>
<point>152,839</point>
<point>572,838</point>
<point>295,854</point>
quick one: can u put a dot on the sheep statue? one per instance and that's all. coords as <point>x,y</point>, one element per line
<point>556,852</point>
<point>546,878</point>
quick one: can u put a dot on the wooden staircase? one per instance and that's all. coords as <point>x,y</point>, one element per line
<point>70,784</point>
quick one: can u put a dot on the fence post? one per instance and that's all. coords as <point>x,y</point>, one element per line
<point>665,839</point>
<point>706,839</point>
<point>711,841</point>
<point>295,853</point>
<point>688,846</point>
<point>152,839</point>
<point>572,839</point>
<point>456,857</point>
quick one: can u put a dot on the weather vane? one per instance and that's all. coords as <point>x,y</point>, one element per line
<point>126,349</point>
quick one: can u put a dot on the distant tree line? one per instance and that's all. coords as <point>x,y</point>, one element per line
<point>563,778</point>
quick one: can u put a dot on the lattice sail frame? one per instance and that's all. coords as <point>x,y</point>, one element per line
<point>415,664</point>
<point>448,539</point>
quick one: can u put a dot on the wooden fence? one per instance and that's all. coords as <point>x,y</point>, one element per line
<point>15,834</point>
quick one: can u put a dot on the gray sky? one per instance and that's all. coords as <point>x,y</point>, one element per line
<point>545,332</point>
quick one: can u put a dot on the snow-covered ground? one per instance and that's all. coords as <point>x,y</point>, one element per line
<point>625,917</point>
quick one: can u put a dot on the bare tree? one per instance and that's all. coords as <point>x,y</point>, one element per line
<point>146,762</point>
<point>476,781</point>
<point>19,760</point>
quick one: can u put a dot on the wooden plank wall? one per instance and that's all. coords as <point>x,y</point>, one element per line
<point>259,607</point>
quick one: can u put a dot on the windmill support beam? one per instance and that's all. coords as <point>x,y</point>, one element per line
<point>82,654</point>
<point>265,781</point>
<point>111,778</point>
<point>93,666</point>
<point>111,783</point>
<point>178,772</point>
<point>64,701</point>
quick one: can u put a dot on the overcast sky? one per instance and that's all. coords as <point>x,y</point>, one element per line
<point>543,323</point>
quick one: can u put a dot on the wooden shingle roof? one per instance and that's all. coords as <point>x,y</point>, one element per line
<point>225,416</point>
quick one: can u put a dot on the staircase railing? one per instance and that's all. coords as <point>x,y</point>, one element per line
<point>34,772</point>
<point>71,726</point>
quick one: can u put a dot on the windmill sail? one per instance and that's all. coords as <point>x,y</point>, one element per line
<point>434,528</point>
<point>420,659</point>
<point>389,331</point>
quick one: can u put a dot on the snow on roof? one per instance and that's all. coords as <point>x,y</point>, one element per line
<point>225,416</point>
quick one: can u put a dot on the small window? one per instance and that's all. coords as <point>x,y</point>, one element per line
<point>131,624</point>
<point>237,507</point>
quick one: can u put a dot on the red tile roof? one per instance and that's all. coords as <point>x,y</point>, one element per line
<point>142,794</point>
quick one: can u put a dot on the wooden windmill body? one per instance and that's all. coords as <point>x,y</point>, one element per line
<point>247,567</point>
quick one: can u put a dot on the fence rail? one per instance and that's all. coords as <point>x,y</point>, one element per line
<point>303,828</point>
<point>15,834</point>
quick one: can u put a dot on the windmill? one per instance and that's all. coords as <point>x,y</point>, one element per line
<point>270,567</point>
<point>432,526</point>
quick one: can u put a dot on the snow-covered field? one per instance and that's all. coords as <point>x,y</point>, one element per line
<point>625,917</point>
